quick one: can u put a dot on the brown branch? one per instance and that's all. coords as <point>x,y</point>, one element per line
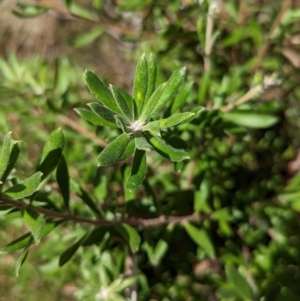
<point>263,50</point>
<point>144,223</point>
<point>78,128</point>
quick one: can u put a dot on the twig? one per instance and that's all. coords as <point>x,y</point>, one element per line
<point>144,223</point>
<point>78,128</point>
<point>263,50</point>
<point>208,42</point>
<point>248,96</point>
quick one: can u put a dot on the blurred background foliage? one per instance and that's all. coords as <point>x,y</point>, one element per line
<point>242,60</point>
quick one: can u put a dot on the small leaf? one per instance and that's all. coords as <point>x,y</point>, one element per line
<point>68,253</point>
<point>239,282</point>
<point>122,123</point>
<point>129,150</point>
<point>138,170</point>
<point>152,71</point>
<point>63,180</point>
<point>24,188</point>
<point>152,127</point>
<point>152,102</point>
<point>166,150</point>
<point>88,37</point>
<point>141,142</point>
<point>100,91</point>
<point>181,97</point>
<point>103,112</point>
<point>113,152</point>
<point>35,223</point>
<point>170,90</point>
<point>131,235</point>
<point>13,157</point>
<point>140,85</point>
<point>21,260</point>
<point>94,118</point>
<point>200,237</point>
<point>250,119</point>
<point>121,102</point>
<point>176,119</point>
<point>52,152</point>
<point>5,153</point>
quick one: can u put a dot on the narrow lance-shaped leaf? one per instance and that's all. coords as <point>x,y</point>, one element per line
<point>35,223</point>
<point>5,152</point>
<point>152,71</point>
<point>141,142</point>
<point>24,188</point>
<point>103,112</point>
<point>138,170</point>
<point>69,253</point>
<point>121,102</point>
<point>140,85</point>
<point>122,123</point>
<point>166,150</point>
<point>13,157</point>
<point>21,260</point>
<point>52,152</point>
<point>131,236</point>
<point>100,91</point>
<point>63,180</point>
<point>170,90</point>
<point>181,97</point>
<point>94,118</point>
<point>152,102</point>
<point>114,150</point>
<point>176,119</point>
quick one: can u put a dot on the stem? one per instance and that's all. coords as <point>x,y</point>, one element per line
<point>208,42</point>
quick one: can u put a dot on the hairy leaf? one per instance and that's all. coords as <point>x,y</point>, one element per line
<point>103,112</point>
<point>121,102</point>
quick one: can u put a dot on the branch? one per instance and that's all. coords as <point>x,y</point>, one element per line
<point>144,223</point>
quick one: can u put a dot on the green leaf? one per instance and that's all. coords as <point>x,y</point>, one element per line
<point>68,253</point>
<point>5,153</point>
<point>176,119</point>
<point>63,180</point>
<point>138,170</point>
<point>181,97</point>
<point>152,71</point>
<point>200,237</point>
<point>166,150</point>
<point>94,118</point>
<point>24,188</point>
<point>121,102</point>
<point>152,102</point>
<point>129,150</point>
<point>152,127</point>
<point>103,112</point>
<point>88,37</point>
<point>113,152</point>
<point>170,90</point>
<point>141,142</point>
<point>131,235</point>
<point>21,260</point>
<point>239,282</point>
<point>250,119</point>
<point>123,124</point>
<point>13,157</point>
<point>120,284</point>
<point>100,91</point>
<point>52,152</point>
<point>35,223</point>
<point>140,85</point>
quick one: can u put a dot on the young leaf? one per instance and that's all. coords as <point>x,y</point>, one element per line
<point>141,142</point>
<point>170,90</point>
<point>24,188</point>
<point>35,223</point>
<point>152,102</point>
<point>140,85</point>
<point>63,180</point>
<point>176,119</point>
<point>131,235</point>
<point>94,118</point>
<point>239,282</point>
<point>21,260</point>
<point>122,123</point>
<point>13,157</point>
<point>100,91</point>
<point>5,152</point>
<point>152,71</point>
<point>200,237</point>
<point>52,152</point>
<point>152,127</point>
<point>121,102</point>
<point>103,112</point>
<point>166,150</point>
<point>113,152</point>
<point>138,170</point>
